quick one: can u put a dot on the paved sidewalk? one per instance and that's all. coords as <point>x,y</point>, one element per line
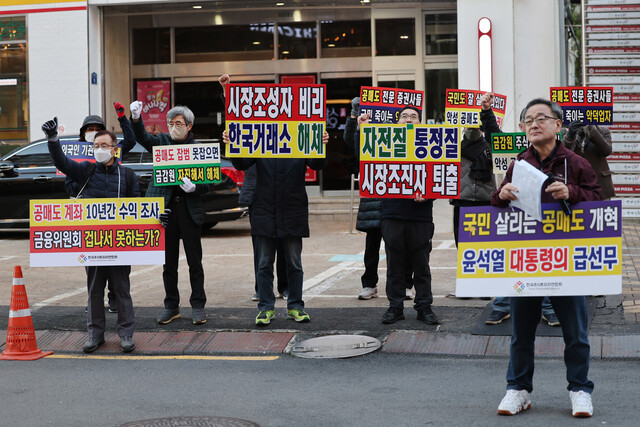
<point>615,329</point>
<point>187,343</point>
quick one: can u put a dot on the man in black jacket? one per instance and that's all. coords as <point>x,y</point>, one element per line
<point>407,229</point>
<point>369,219</point>
<point>107,178</point>
<point>185,218</point>
<point>279,211</point>
<point>246,199</point>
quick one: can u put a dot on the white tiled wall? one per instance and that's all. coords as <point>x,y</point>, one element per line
<point>58,70</point>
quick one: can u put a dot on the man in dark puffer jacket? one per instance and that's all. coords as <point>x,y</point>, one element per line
<point>105,178</point>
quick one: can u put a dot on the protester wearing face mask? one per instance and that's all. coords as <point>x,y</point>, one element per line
<point>185,219</point>
<point>104,178</point>
<point>90,127</point>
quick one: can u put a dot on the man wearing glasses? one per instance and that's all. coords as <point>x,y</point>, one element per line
<point>407,228</point>
<point>574,182</point>
<point>186,215</point>
<point>104,178</point>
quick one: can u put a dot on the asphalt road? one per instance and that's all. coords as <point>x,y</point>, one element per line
<point>373,390</point>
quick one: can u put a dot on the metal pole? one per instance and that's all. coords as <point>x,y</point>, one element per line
<point>351,204</point>
<point>584,44</point>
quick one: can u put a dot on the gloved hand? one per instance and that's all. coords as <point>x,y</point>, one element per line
<point>188,186</point>
<point>50,128</point>
<point>574,127</point>
<point>164,217</point>
<point>119,109</point>
<point>136,109</point>
<point>355,106</point>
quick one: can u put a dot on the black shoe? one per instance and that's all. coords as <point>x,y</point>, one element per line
<point>92,344</point>
<point>113,309</point>
<point>168,314</point>
<point>392,316</point>
<point>497,317</point>
<point>127,345</point>
<point>198,316</point>
<point>551,319</point>
<point>427,316</point>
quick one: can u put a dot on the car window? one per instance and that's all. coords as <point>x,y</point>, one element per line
<point>32,156</point>
<point>147,157</point>
<point>131,157</point>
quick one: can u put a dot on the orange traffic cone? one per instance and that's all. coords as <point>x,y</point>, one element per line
<point>21,337</point>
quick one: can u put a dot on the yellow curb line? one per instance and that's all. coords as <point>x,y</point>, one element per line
<point>121,357</point>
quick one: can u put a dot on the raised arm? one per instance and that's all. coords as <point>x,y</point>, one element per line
<point>74,170</point>
<point>141,135</point>
<point>128,138</point>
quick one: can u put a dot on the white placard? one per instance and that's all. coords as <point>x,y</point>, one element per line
<point>621,167</point>
<point>528,180</point>
<point>621,107</point>
<point>625,136</point>
<point>625,179</point>
<point>626,117</point>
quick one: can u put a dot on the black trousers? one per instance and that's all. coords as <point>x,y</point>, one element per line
<point>181,226</point>
<point>408,243</point>
<point>371,259</point>
<point>118,277</point>
<point>281,266</point>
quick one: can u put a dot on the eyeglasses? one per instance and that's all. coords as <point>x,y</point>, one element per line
<point>103,146</point>
<point>176,124</point>
<point>93,128</point>
<point>409,116</point>
<point>539,120</point>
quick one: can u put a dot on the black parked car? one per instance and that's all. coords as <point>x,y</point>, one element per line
<point>28,173</point>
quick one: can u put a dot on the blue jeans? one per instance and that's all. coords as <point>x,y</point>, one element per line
<point>525,315</point>
<point>503,305</point>
<point>266,253</point>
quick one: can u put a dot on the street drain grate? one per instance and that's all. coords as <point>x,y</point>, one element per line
<point>192,421</point>
<point>336,346</point>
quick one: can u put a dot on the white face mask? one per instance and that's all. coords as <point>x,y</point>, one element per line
<point>90,136</point>
<point>102,155</point>
<point>178,133</point>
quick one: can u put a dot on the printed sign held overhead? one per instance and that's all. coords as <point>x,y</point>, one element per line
<point>385,104</point>
<point>275,120</point>
<point>462,107</point>
<point>400,161</point>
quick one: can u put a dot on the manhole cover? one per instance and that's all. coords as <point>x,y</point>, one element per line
<point>336,346</point>
<point>192,421</point>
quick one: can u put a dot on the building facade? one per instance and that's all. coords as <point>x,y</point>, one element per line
<point>80,57</point>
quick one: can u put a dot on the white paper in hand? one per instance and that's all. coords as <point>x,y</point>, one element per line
<point>528,180</point>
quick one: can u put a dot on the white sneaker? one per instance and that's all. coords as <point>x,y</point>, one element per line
<point>581,406</point>
<point>409,295</point>
<point>514,401</point>
<point>368,293</point>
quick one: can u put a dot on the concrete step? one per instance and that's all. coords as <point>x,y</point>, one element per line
<point>331,208</point>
